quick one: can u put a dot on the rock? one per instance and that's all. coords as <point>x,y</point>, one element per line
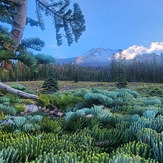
<point>22,113</point>
<point>39,107</point>
<point>89,116</point>
<point>58,114</point>
<point>56,109</point>
<point>3,122</point>
<point>31,108</point>
<point>46,110</point>
<point>51,112</point>
<point>10,121</point>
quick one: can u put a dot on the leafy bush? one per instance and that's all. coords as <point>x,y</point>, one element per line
<point>133,134</point>
<point>13,98</point>
<point>21,87</point>
<point>97,111</point>
<point>19,108</point>
<point>152,101</point>
<point>27,123</point>
<point>107,101</point>
<point>9,155</point>
<point>155,140</point>
<point>18,86</point>
<point>50,125</point>
<point>61,101</point>
<point>136,148</point>
<point>111,94</point>
<point>27,101</point>
<point>7,109</point>
<point>81,92</point>
<point>155,124</point>
<point>150,113</point>
<point>4,100</point>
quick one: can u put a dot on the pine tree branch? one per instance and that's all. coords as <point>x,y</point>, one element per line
<point>17,2</point>
<point>53,11</point>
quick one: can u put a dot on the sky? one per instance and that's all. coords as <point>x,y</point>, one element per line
<point>136,26</point>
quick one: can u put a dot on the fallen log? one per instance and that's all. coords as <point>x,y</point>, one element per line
<point>17,92</point>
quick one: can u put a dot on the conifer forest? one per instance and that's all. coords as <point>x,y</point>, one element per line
<point>74,113</point>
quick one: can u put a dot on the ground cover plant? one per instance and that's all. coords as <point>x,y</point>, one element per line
<point>98,125</point>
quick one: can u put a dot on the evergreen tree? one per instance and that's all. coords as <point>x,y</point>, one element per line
<point>70,21</point>
<point>50,85</point>
<point>76,77</point>
<point>13,12</point>
<point>113,69</point>
<point>121,73</point>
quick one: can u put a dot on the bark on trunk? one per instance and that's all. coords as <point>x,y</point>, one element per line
<point>16,34</point>
<point>18,22</point>
<point>17,92</point>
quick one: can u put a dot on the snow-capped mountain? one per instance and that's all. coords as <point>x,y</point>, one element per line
<point>103,56</point>
<point>94,57</point>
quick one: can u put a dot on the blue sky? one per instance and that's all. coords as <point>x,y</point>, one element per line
<point>114,24</point>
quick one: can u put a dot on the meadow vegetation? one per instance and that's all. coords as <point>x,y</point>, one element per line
<point>99,124</point>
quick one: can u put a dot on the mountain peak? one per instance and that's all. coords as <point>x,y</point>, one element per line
<point>103,56</point>
<point>96,56</point>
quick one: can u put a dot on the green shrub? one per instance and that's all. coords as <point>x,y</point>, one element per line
<point>106,138</point>
<point>50,125</point>
<point>81,92</point>
<point>27,123</point>
<point>13,98</point>
<point>19,108</point>
<point>155,140</point>
<point>152,101</point>
<point>27,101</point>
<point>103,115</point>
<point>7,109</point>
<point>150,113</point>
<point>4,100</point>
<point>61,101</point>
<point>124,158</point>
<point>18,86</point>
<point>111,94</point>
<point>155,124</point>
<point>9,155</point>
<point>94,97</point>
<point>135,148</point>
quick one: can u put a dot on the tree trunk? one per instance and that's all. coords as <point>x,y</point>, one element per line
<point>18,22</point>
<point>17,30</point>
<point>17,92</point>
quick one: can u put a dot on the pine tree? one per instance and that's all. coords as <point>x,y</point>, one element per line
<point>50,85</point>
<point>121,73</point>
<point>13,12</point>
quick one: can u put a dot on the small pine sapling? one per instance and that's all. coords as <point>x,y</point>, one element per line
<point>50,86</point>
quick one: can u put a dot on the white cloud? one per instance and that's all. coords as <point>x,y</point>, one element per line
<point>155,46</point>
<point>134,50</point>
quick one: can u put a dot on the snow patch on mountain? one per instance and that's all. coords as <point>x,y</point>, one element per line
<point>96,55</point>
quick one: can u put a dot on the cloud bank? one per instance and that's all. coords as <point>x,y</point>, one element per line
<point>134,50</point>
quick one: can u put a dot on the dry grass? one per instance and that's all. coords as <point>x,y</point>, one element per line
<point>69,85</point>
<point>63,85</point>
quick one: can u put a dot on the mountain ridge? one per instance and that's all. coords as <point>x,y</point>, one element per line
<point>101,57</point>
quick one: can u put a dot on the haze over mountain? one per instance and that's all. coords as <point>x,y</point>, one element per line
<point>102,56</point>
<point>94,57</point>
